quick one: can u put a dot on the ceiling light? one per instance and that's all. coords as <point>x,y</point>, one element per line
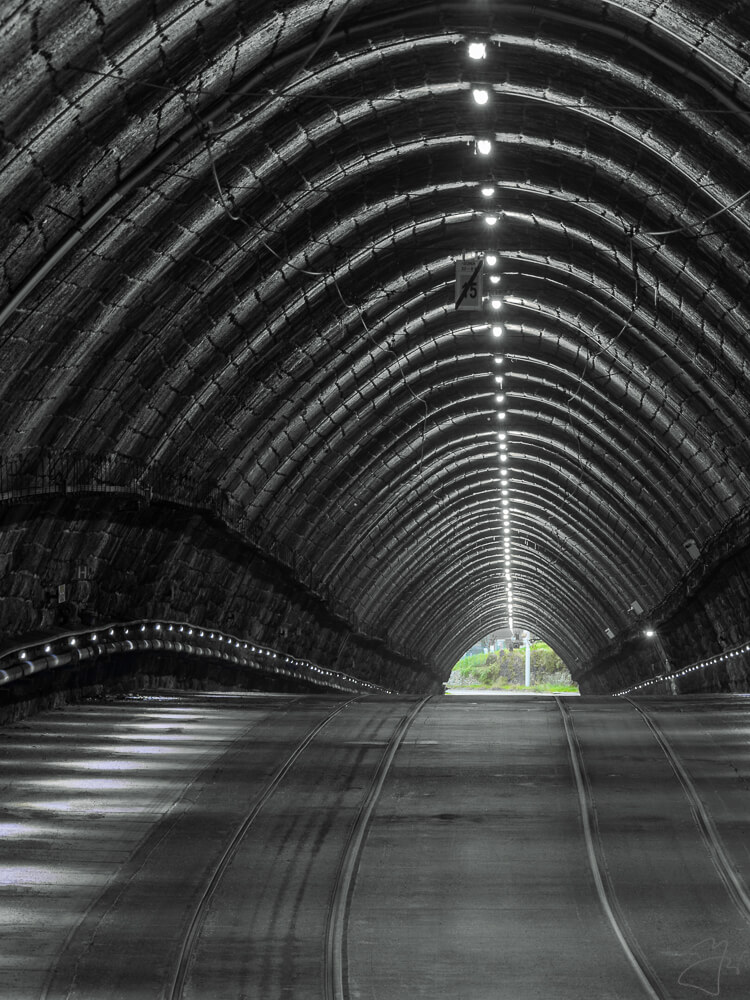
<point>494,279</point>
<point>496,303</point>
<point>491,220</point>
<point>504,493</point>
<point>503,447</point>
<point>503,458</point>
<point>477,50</point>
<point>501,416</point>
<point>480,95</point>
<point>487,191</point>
<point>484,147</point>
<point>497,331</point>
<point>490,259</point>
<point>502,435</point>
<point>498,378</point>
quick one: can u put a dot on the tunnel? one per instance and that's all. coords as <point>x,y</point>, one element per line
<point>240,391</point>
<point>336,336</point>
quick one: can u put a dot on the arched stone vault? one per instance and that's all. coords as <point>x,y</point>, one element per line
<point>229,237</point>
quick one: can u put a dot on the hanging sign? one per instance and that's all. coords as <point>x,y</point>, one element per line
<point>468,286</point>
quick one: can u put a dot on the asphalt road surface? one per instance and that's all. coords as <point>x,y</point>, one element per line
<point>252,847</point>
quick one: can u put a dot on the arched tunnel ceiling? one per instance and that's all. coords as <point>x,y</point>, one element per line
<point>230,233</point>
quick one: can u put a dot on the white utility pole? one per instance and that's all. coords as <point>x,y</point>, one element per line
<point>528,659</point>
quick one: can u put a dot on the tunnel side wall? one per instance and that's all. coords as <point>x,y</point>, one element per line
<point>705,620</point>
<point>85,559</point>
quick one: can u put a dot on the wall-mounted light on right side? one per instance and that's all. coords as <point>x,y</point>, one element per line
<point>691,547</point>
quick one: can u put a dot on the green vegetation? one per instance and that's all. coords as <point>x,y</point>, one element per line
<point>505,670</point>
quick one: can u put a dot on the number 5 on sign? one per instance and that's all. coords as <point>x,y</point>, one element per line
<point>468,288</point>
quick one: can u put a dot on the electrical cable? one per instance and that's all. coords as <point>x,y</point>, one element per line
<point>687,229</point>
<point>532,100</point>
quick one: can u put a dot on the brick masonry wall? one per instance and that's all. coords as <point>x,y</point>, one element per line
<point>120,558</point>
<point>715,617</point>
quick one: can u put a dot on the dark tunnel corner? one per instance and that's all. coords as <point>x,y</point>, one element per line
<point>703,618</point>
<point>76,562</point>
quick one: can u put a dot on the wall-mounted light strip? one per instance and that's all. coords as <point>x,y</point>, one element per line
<point>71,648</point>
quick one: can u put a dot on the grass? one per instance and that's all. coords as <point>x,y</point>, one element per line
<point>536,688</point>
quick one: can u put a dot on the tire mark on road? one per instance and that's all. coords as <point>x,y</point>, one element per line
<point>648,978</point>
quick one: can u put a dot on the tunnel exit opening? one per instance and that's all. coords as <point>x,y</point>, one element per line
<point>514,663</point>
